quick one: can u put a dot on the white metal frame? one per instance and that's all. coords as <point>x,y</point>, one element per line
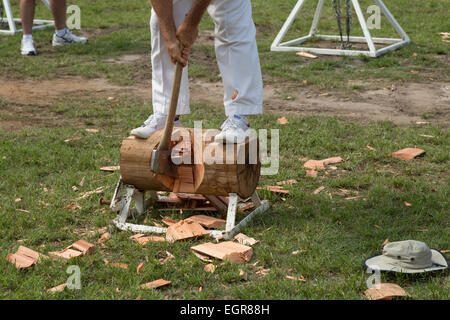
<point>393,43</point>
<point>125,194</point>
<point>37,24</point>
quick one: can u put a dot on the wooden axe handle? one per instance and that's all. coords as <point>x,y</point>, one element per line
<point>165,140</point>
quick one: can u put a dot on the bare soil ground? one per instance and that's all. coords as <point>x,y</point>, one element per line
<point>403,104</point>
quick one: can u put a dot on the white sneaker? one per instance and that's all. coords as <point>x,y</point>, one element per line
<point>234,130</point>
<point>154,123</point>
<point>27,47</point>
<point>68,37</point>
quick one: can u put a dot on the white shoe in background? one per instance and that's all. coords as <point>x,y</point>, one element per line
<point>27,47</point>
<point>67,38</point>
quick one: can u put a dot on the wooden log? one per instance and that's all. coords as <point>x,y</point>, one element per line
<point>220,169</point>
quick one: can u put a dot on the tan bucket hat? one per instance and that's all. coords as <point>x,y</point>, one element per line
<point>409,256</point>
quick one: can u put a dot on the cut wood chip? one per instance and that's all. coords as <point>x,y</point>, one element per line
<point>319,189</point>
<point>243,239</point>
<point>386,291</point>
<point>245,207</point>
<point>72,139</point>
<point>59,288</point>
<point>370,148</point>
<point>207,221</point>
<point>92,130</point>
<point>104,237</point>
<point>407,204</point>
<point>407,153</point>
<point>83,246</point>
<point>119,265</point>
<point>139,267</point>
<point>320,164</point>
<point>87,194</point>
<point>66,254</point>
<point>169,221</point>
<point>275,189</point>
<point>144,240</point>
<point>282,120</point>
<point>311,173</point>
<point>314,164</point>
<point>155,284</point>
<point>185,229</point>
<point>289,182</point>
<point>110,168</point>
<point>296,278</point>
<point>306,55</point>
<point>228,250</point>
<point>210,268</point>
<point>24,257</point>
<point>202,257</point>
<point>166,257</point>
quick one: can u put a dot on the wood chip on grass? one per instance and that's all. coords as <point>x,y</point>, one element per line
<point>155,284</point>
<point>320,164</point>
<point>77,249</point>
<point>24,257</point>
<point>143,240</point>
<point>118,265</point>
<point>110,168</point>
<point>319,189</point>
<point>185,229</point>
<point>207,221</point>
<point>296,278</point>
<point>385,291</point>
<point>244,239</point>
<point>228,250</point>
<point>407,153</point>
<point>282,120</point>
<point>306,55</point>
<point>59,288</point>
<point>274,189</point>
<point>210,268</point>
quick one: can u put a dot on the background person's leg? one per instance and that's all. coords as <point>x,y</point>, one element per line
<point>58,8</point>
<point>237,56</point>
<point>162,67</point>
<point>27,15</point>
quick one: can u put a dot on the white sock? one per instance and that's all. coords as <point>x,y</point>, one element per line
<point>27,37</point>
<point>61,32</point>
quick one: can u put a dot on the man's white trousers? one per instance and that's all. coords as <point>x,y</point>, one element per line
<point>236,55</point>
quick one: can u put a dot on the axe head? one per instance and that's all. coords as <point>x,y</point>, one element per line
<point>162,163</point>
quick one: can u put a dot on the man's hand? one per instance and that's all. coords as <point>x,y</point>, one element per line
<point>175,52</point>
<point>187,34</point>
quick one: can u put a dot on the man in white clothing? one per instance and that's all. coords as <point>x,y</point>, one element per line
<point>176,21</point>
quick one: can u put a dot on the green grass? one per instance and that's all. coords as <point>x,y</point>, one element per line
<point>338,234</point>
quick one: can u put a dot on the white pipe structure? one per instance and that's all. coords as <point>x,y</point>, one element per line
<point>125,194</point>
<point>37,23</point>
<point>393,43</point>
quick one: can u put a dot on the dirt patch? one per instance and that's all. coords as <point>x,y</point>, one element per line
<point>402,104</point>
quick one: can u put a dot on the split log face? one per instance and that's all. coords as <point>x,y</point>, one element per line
<point>207,167</point>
